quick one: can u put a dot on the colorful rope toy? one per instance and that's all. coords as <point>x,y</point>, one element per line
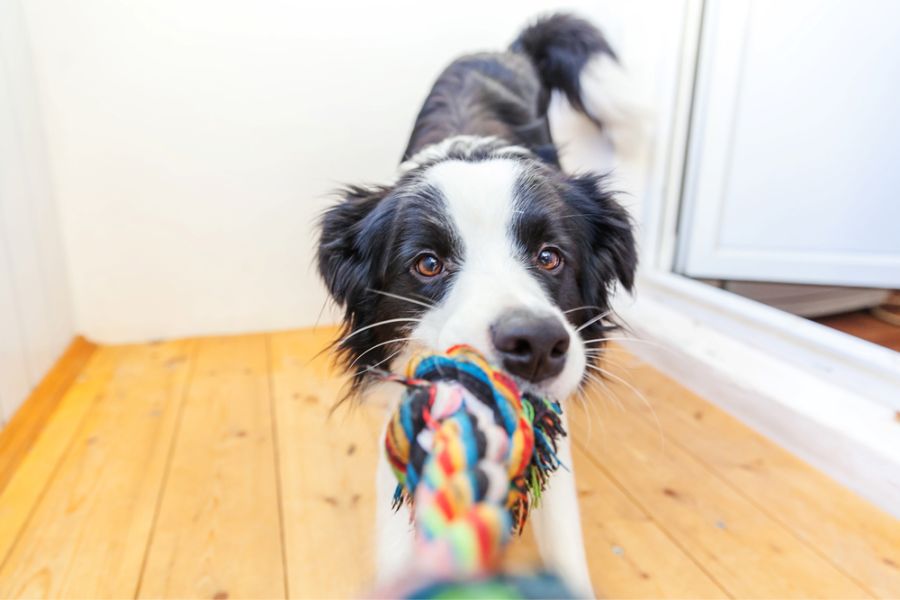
<point>471,454</point>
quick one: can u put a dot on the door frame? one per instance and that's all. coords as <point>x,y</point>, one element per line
<point>829,397</point>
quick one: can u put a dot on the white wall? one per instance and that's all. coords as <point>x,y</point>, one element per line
<point>193,143</point>
<point>35,323</point>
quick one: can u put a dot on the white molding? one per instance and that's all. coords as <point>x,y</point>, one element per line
<point>660,209</point>
<point>720,55</point>
<point>826,396</point>
<point>839,358</point>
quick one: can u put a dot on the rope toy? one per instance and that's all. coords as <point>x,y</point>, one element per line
<point>472,455</point>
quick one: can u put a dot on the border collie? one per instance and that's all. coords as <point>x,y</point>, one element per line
<point>482,239</point>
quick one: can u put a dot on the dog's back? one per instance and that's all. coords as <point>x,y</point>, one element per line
<point>506,94</point>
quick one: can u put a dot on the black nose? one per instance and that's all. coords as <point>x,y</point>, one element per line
<point>530,346</point>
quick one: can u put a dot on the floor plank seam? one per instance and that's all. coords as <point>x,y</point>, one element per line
<point>276,450</point>
<point>170,452</point>
<point>786,526</point>
<point>723,480</point>
<point>653,519</point>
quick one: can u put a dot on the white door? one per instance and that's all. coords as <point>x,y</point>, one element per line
<point>793,170</point>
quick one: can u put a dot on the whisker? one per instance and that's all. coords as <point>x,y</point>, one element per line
<point>399,297</point>
<point>590,428</point>
<point>605,352</point>
<point>393,341</point>
<point>629,339</point>
<point>590,322</point>
<point>604,403</point>
<point>640,395</point>
<point>590,409</point>
<point>600,417</point>
<point>608,351</point>
<point>622,323</point>
<point>379,363</point>
<point>615,396</point>
<point>385,322</point>
<point>607,360</point>
<point>571,310</point>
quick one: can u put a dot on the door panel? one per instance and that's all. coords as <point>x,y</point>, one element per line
<point>793,172</point>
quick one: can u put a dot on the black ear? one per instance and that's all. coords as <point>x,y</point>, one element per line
<point>609,233</point>
<point>352,233</point>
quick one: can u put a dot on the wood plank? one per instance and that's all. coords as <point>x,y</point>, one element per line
<point>746,551</point>
<point>854,534</point>
<point>20,434</point>
<point>718,509</point>
<point>327,464</point>
<point>629,554</point>
<point>218,531</point>
<point>27,484</point>
<point>865,326</point>
<point>89,533</point>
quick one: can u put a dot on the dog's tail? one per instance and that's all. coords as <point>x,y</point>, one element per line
<point>573,57</point>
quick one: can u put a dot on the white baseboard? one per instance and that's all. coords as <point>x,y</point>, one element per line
<point>829,398</point>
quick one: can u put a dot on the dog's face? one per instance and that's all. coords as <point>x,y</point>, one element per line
<point>498,251</point>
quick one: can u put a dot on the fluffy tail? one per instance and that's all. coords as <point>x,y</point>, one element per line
<point>573,57</point>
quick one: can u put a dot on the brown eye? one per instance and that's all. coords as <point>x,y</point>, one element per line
<point>429,265</point>
<point>549,258</point>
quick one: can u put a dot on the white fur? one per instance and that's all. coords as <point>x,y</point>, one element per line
<point>492,280</point>
<point>557,525</point>
<point>394,534</point>
<point>609,95</point>
<point>466,143</point>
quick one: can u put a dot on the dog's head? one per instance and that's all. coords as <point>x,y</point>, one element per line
<point>482,245</point>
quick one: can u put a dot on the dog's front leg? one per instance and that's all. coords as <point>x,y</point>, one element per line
<point>394,534</point>
<point>557,525</point>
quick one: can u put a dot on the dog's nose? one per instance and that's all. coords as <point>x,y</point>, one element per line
<point>530,346</point>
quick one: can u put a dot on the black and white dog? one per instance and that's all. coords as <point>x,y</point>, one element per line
<point>483,240</point>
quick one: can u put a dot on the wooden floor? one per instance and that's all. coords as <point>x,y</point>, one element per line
<point>211,468</point>
<point>864,325</point>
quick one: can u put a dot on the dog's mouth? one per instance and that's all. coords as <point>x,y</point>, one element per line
<point>556,388</point>
<point>543,389</point>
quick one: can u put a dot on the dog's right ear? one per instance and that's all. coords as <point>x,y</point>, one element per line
<point>352,233</point>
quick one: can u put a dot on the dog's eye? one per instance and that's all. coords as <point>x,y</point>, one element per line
<point>549,258</point>
<point>429,265</point>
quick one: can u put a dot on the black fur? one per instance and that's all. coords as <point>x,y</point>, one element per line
<point>559,46</point>
<point>370,240</point>
<point>579,216</point>
<point>366,245</point>
<point>506,94</point>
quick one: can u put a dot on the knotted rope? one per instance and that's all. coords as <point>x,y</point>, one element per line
<point>471,454</point>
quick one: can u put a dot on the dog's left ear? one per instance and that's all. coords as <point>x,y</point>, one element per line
<point>609,233</point>
<point>351,242</point>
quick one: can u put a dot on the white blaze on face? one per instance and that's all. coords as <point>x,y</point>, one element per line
<point>493,278</point>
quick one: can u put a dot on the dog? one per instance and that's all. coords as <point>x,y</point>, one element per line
<point>482,239</point>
